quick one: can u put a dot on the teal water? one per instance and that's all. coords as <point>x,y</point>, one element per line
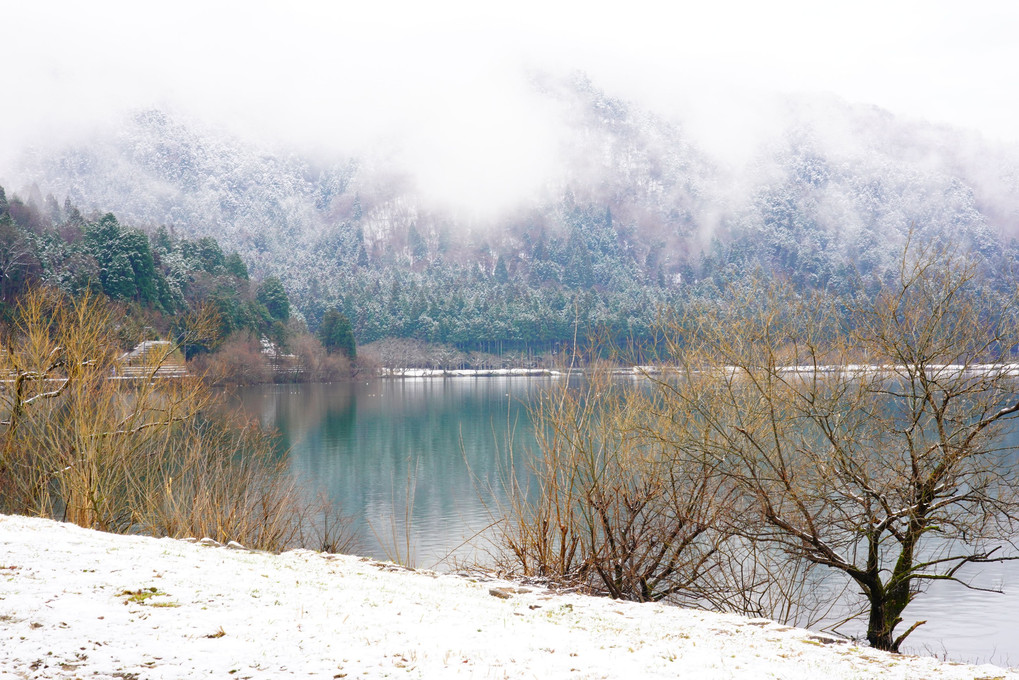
<point>434,452</point>
<point>446,442</point>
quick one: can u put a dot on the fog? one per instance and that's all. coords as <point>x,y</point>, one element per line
<point>442,89</point>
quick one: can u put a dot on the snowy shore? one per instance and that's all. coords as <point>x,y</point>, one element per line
<point>83,604</point>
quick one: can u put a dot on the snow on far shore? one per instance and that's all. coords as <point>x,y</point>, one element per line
<point>76,603</point>
<point>467,372</point>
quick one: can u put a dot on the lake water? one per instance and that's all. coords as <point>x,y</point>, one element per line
<point>422,461</point>
<point>435,452</point>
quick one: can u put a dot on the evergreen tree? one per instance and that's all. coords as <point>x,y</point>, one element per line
<point>135,245</point>
<point>336,333</point>
<point>117,277</point>
<point>73,217</point>
<point>272,294</point>
<point>103,243</point>
<point>210,255</point>
<point>235,266</point>
<point>417,244</point>
<point>5,212</point>
<point>501,273</point>
<point>162,242</point>
<point>53,210</point>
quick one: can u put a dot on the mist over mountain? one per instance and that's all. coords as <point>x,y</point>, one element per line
<point>631,209</point>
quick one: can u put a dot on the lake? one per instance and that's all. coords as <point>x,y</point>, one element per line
<point>418,464</point>
<point>434,452</point>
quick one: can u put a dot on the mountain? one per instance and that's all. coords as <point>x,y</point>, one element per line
<point>640,215</point>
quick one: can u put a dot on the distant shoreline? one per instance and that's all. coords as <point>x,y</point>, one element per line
<point>468,372</point>
<point>647,370</point>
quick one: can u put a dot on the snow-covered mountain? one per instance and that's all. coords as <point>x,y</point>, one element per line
<point>639,210</point>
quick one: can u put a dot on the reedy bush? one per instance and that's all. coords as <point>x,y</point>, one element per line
<point>147,454</point>
<point>610,506</point>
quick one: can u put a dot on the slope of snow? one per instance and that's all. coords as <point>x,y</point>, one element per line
<point>76,603</point>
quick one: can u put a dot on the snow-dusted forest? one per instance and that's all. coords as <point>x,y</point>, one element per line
<point>637,217</point>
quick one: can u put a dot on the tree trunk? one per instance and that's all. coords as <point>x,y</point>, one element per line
<point>881,627</point>
<point>888,602</point>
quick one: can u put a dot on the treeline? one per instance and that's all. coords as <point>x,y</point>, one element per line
<point>588,275</point>
<point>653,226</point>
<point>161,281</point>
<point>534,291</point>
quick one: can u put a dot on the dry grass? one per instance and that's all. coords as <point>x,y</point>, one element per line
<point>394,534</point>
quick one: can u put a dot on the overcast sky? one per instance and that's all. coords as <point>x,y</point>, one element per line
<point>441,76</point>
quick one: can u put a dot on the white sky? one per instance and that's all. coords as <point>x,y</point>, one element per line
<point>441,81</point>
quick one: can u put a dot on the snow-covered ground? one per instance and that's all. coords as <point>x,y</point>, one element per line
<point>83,604</point>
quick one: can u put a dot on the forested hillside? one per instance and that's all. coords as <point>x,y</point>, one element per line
<point>160,280</point>
<point>641,216</point>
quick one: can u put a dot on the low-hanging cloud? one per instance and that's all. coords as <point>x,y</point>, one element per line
<point>441,88</point>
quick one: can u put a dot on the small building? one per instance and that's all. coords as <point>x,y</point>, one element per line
<point>279,360</point>
<point>155,358</point>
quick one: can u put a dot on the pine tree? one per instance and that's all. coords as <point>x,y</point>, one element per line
<point>117,277</point>
<point>5,213</point>
<point>162,242</point>
<point>336,334</point>
<point>235,266</point>
<point>272,294</point>
<point>501,273</point>
<point>135,246</point>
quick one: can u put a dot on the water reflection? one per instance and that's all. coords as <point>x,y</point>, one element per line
<point>436,447</point>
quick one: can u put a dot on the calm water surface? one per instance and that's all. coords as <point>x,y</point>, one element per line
<point>434,452</point>
<point>426,459</point>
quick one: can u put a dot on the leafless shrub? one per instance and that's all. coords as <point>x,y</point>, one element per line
<point>120,455</point>
<point>616,507</point>
<point>238,361</point>
<point>313,363</point>
<point>801,454</point>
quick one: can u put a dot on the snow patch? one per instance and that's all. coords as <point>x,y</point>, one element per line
<point>80,603</point>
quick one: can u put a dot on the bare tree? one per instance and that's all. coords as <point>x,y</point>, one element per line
<point>867,440</point>
<point>611,509</point>
<point>68,425</point>
<point>15,258</point>
<point>80,444</point>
